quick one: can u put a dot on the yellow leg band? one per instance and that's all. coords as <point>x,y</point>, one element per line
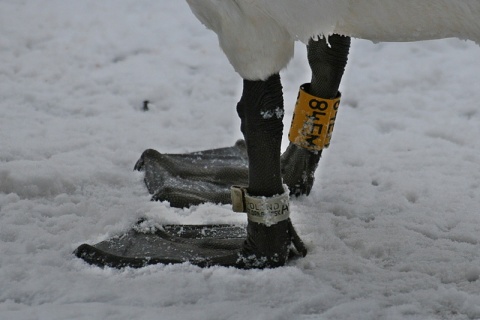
<point>313,120</point>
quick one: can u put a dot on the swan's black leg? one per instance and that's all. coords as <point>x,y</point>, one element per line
<point>261,113</point>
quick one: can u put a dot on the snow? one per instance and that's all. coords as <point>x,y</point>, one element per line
<point>392,223</point>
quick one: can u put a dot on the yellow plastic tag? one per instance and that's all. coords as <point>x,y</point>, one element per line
<point>313,121</point>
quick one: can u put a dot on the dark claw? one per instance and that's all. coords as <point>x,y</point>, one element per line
<point>298,169</point>
<point>139,165</point>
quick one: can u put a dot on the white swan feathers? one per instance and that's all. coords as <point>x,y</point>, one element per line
<point>258,35</point>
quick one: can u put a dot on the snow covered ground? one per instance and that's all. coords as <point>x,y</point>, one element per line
<point>392,225</point>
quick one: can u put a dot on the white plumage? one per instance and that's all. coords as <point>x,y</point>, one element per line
<point>258,35</point>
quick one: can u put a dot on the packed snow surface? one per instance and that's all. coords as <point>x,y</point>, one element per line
<point>392,224</point>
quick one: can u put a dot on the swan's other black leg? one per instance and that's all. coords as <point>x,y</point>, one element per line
<point>327,59</point>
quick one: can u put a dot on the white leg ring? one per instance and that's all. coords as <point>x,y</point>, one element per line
<point>264,210</point>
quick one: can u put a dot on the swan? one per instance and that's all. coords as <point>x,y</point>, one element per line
<point>258,36</point>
